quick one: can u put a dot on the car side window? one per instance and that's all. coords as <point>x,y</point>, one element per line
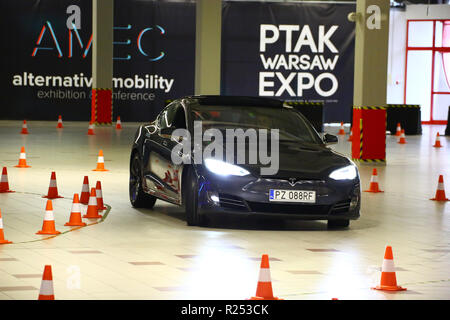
<point>179,120</point>
<point>167,116</point>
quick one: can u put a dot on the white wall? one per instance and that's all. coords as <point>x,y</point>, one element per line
<point>423,11</point>
<point>396,60</point>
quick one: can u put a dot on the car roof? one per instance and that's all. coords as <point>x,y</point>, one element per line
<point>235,101</point>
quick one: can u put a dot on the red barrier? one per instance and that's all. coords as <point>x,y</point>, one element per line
<point>369,134</point>
<point>101,106</point>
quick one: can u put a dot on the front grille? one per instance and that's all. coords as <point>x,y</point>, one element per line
<point>284,175</point>
<point>288,208</point>
<point>232,202</point>
<point>341,207</point>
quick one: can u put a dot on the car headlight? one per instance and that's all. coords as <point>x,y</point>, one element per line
<point>346,173</point>
<point>224,168</point>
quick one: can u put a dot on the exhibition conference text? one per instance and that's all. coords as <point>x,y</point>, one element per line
<point>79,80</point>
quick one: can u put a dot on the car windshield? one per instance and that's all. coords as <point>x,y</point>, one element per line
<point>291,125</point>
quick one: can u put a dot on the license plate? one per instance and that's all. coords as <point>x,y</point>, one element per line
<point>306,196</point>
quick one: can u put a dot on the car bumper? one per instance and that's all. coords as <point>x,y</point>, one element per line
<point>250,197</point>
<point>349,215</point>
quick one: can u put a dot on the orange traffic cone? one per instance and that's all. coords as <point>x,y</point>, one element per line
<point>440,192</point>
<point>402,139</point>
<point>60,124</point>
<point>264,288</point>
<point>99,196</point>
<point>22,159</point>
<point>2,236</point>
<point>48,226</point>
<point>341,130</point>
<point>399,130</point>
<point>373,187</point>
<point>91,129</point>
<point>24,127</point>
<point>53,188</point>
<point>437,143</point>
<point>46,292</point>
<point>118,124</point>
<point>100,162</point>
<point>388,279</point>
<point>84,197</point>
<point>4,185</point>
<point>75,214</point>
<point>350,137</point>
<point>92,210</point>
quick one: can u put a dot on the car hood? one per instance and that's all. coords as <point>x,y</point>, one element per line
<point>300,160</point>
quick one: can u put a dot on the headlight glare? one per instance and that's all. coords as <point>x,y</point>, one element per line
<point>346,173</point>
<point>224,168</point>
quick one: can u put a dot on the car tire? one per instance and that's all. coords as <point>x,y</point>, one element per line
<point>190,199</point>
<point>138,198</point>
<point>340,223</point>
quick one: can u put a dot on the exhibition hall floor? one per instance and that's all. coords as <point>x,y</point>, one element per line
<point>153,254</point>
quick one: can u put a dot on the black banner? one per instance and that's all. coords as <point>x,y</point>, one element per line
<point>228,309</point>
<point>47,66</point>
<point>293,51</point>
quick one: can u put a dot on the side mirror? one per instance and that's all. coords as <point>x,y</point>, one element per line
<point>167,131</point>
<point>330,138</point>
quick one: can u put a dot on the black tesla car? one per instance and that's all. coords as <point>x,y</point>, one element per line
<point>307,179</point>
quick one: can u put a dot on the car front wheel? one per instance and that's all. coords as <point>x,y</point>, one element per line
<point>190,199</point>
<point>340,223</point>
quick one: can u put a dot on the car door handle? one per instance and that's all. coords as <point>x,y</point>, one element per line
<point>165,143</point>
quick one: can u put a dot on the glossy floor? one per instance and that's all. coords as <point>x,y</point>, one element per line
<point>152,254</point>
